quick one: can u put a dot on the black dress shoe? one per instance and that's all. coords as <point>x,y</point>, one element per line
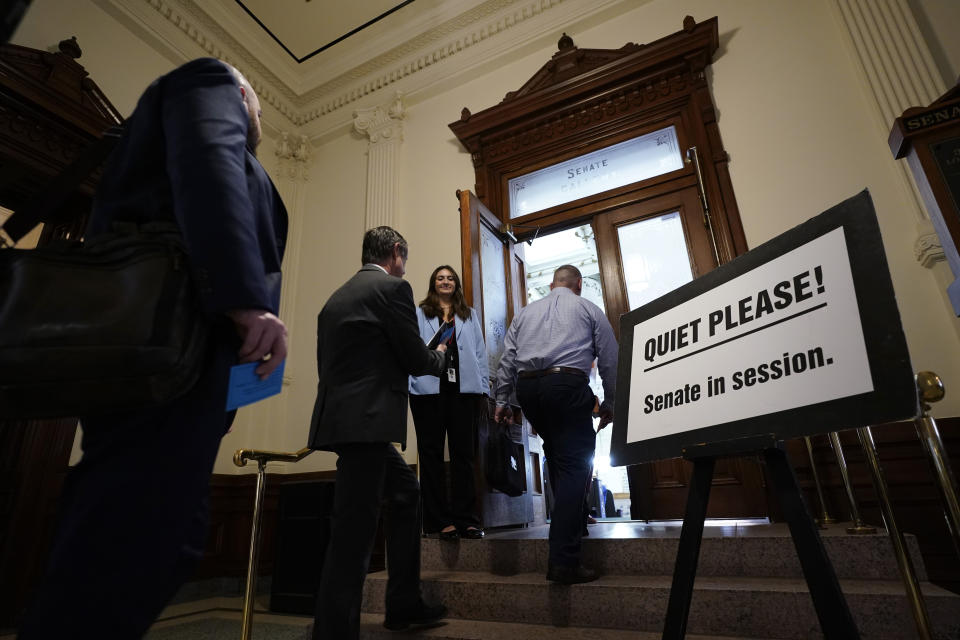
<point>453,534</point>
<point>421,615</point>
<point>571,575</point>
<point>472,533</point>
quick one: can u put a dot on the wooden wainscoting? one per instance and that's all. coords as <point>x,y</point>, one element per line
<point>911,483</point>
<point>231,519</point>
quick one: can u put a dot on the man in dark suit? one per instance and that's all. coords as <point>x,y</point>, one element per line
<point>368,344</point>
<point>134,510</point>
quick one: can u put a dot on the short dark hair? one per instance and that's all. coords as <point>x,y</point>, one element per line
<point>378,245</point>
<point>566,275</point>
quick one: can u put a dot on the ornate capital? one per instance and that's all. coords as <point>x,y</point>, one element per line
<point>382,123</point>
<point>293,152</point>
<point>927,248</point>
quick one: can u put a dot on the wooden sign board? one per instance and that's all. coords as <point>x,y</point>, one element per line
<point>799,336</point>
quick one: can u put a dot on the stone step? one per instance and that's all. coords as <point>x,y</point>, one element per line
<point>778,608</point>
<point>758,554</point>
<point>371,628</point>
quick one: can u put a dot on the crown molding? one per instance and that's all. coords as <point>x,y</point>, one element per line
<point>475,40</point>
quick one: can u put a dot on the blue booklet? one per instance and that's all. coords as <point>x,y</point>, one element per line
<point>442,335</point>
<point>246,387</point>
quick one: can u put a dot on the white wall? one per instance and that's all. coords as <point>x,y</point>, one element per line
<point>794,114</point>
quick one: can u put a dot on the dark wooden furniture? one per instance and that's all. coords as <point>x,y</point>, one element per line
<point>303,532</point>
<point>929,138</point>
<point>50,110</point>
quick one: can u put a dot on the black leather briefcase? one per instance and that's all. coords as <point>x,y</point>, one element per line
<point>504,464</point>
<point>109,325</point>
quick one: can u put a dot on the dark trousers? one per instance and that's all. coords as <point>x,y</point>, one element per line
<point>133,514</point>
<point>368,476</point>
<point>559,407</point>
<point>451,417</point>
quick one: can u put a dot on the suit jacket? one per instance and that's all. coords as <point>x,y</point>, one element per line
<point>474,370</point>
<point>367,345</point>
<point>184,158</point>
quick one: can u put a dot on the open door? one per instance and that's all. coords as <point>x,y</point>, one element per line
<point>493,285</point>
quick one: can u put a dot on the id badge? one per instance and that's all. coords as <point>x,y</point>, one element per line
<point>451,375</point>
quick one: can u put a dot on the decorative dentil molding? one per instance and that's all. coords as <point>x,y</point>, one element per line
<point>214,41</point>
<point>423,52</point>
<point>439,45</point>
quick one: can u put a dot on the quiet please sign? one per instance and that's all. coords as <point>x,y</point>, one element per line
<point>799,336</point>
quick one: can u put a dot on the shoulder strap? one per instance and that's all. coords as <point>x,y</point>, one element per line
<point>44,207</point>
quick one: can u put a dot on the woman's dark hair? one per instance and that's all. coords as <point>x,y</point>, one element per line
<point>431,304</point>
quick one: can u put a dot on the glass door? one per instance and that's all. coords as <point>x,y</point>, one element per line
<point>646,250</point>
<point>610,493</point>
<point>650,248</point>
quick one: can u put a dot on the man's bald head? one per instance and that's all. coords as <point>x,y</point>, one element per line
<point>252,104</point>
<point>568,277</point>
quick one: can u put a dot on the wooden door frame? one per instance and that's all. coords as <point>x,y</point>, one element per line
<point>685,201</point>
<point>495,509</point>
<point>584,100</point>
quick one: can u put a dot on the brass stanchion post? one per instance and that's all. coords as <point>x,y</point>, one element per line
<point>825,517</point>
<point>240,458</point>
<point>858,525</point>
<point>914,596</point>
<point>251,589</point>
<point>931,389</point>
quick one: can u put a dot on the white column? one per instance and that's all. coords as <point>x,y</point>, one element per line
<point>897,65</point>
<point>293,164</point>
<point>383,126</point>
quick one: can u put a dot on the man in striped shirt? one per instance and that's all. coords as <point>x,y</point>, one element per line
<point>548,353</point>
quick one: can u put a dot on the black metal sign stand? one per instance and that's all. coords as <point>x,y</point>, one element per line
<point>828,600</point>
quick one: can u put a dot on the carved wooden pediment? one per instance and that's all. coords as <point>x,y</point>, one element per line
<point>584,98</point>
<point>50,110</point>
<point>55,83</point>
<point>582,79</point>
<point>569,62</point>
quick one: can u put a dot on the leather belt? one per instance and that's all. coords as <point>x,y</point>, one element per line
<point>552,370</point>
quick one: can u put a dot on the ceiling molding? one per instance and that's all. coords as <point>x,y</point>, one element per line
<point>468,41</point>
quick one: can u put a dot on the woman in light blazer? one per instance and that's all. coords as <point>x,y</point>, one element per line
<point>446,407</point>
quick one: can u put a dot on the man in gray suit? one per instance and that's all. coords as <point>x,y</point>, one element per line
<point>367,344</point>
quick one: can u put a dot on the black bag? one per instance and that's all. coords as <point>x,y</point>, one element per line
<point>109,325</point>
<point>504,464</point>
